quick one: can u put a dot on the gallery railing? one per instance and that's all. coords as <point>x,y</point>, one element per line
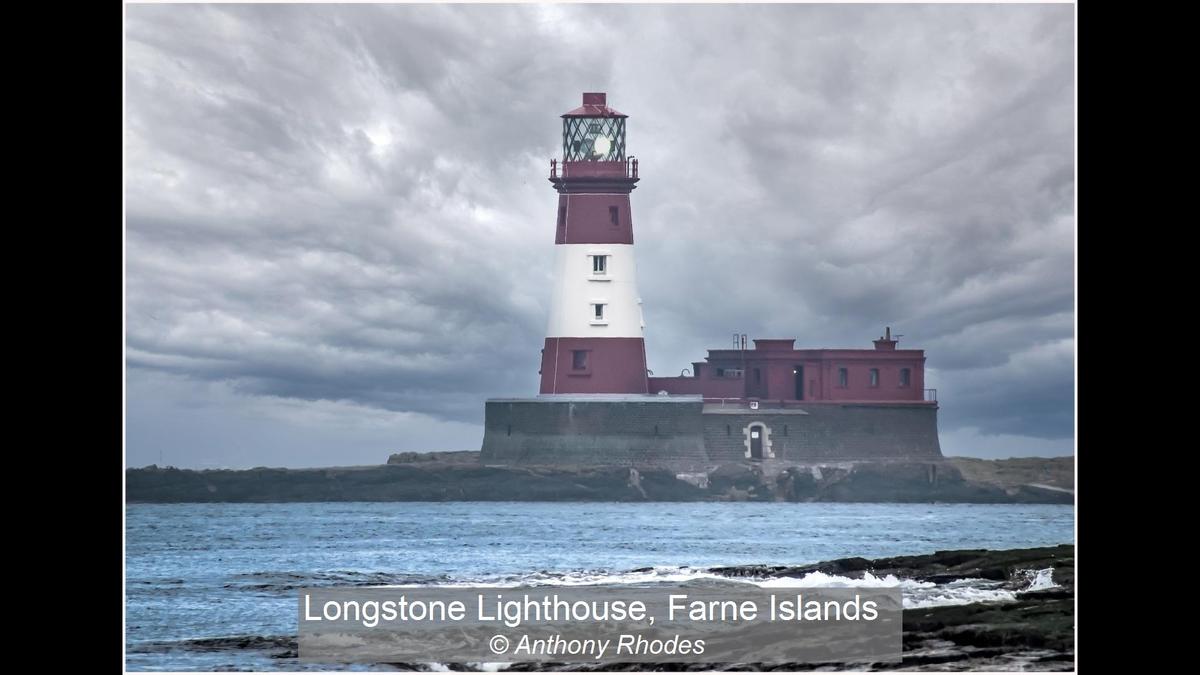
<point>627,168</point>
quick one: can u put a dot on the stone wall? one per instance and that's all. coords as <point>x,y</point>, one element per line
<point>591,431</point>
<point>825,432</point>
<point>684,434</point>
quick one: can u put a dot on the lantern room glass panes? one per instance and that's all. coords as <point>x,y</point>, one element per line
<point>594,139</point>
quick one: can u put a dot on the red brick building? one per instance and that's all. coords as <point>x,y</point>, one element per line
<point>774,370</point>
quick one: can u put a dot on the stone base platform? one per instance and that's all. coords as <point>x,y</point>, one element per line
<point>683,433</point>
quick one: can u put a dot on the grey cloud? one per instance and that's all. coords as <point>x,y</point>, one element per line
<point>348,203</point>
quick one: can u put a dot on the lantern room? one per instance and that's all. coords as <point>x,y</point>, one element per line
<point>594,132</point>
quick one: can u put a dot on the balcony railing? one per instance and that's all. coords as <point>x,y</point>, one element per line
<point>618,169</point>
<point>931,395</point>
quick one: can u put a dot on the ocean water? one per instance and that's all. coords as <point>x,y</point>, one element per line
<point>197,572</point>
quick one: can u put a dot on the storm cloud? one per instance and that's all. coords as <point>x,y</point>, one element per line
<point>339,225</point>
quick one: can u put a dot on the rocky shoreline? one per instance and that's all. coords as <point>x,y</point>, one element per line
<point>1032,631</point>
<point>461,477</point>
<point>1036,631</point>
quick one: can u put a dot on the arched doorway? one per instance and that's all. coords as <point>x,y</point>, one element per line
<point>756,441</point>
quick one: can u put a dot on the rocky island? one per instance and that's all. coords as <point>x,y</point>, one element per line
<point>461,476</point>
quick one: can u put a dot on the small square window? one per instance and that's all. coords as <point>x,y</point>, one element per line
<point>598,311</point>
<point>599,264</point>
<point>579,359</point>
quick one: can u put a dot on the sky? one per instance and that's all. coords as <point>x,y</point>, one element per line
<point>339,226</point>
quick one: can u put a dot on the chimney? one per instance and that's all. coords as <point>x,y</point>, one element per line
<point>886,343</point>
<point>595,98</point>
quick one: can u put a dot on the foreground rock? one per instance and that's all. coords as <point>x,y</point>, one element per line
<point>941,567</point>
<point>1034,632</point>
<point>460,477</point>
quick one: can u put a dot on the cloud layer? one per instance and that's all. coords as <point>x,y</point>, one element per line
<point>342,211</point>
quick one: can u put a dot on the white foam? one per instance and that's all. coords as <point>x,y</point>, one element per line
<point>916,594</point>
<point>580,578</point>
<point>1040,580</point>
<point>820,579</point>
<point>491,667</point>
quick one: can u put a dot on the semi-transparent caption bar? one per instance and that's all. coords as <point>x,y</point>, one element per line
<point>677,623</point>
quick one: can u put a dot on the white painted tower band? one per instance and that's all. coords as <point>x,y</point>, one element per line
<point>579,288</point>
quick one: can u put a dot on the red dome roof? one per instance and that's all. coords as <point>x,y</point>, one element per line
<point>594,105</point>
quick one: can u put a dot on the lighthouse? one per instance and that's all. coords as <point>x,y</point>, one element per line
<point>599,406</point>
<point>594,337</point>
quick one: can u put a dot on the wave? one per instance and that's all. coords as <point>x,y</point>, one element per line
<point>289,581</point>
<point>916,594</point>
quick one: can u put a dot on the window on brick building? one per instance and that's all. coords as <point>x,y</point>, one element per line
<point>579,359</point>
<point>843,377</point>
<point>874,377</point>
<point>905,377</point>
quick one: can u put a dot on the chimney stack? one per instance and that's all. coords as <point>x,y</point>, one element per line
<point>886,343</point>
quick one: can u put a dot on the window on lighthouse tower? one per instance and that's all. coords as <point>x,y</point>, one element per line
<point>579,359</point>
<point>599,264</point>
<point>598,311</point>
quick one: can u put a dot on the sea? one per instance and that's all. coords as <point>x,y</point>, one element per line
<point>215,586</point>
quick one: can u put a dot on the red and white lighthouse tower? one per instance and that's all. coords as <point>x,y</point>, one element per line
<point>594,340</point>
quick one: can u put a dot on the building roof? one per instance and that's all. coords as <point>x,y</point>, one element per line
<point>620,398</point>
<point>595,104</point>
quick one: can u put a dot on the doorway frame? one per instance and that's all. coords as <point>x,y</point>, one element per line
<point>764,436</point>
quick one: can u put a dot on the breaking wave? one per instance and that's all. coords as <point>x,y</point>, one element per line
<point>916,594</point>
